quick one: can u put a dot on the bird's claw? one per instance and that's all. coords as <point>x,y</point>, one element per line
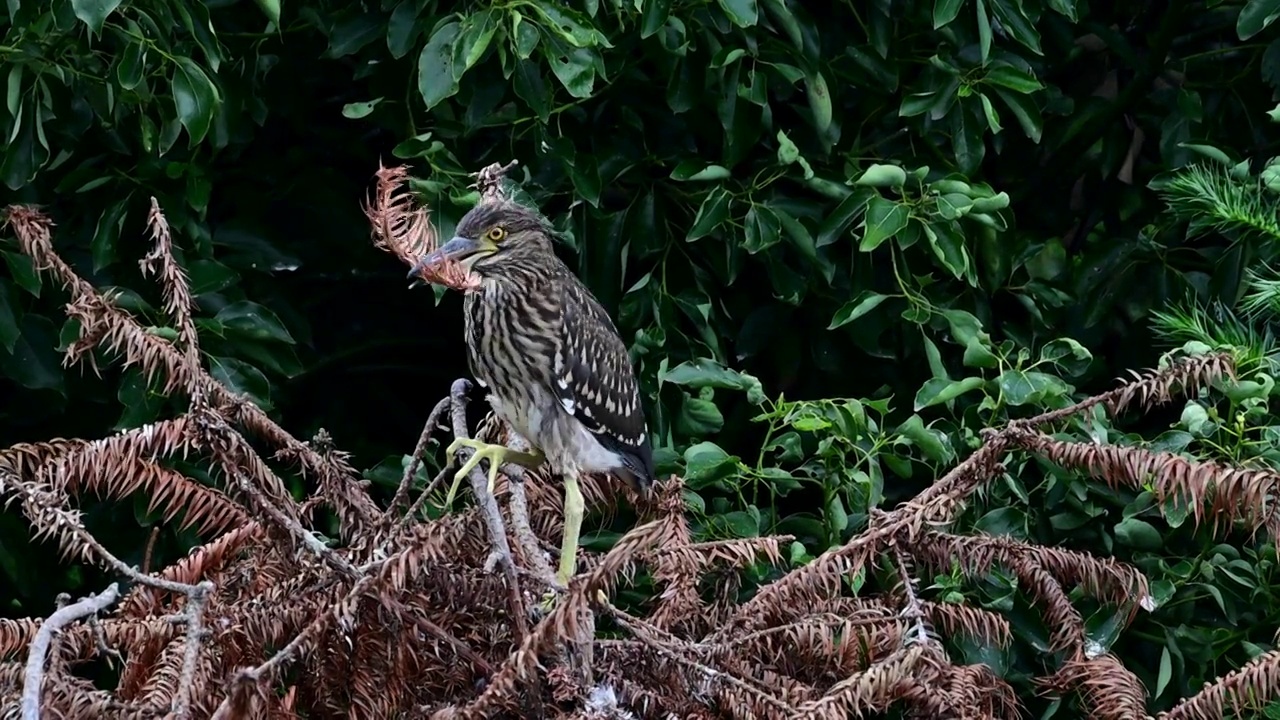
<point>551,597</point>
<point>495,454</point>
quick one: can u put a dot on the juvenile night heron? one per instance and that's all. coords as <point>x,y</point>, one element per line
<point>551,359</point>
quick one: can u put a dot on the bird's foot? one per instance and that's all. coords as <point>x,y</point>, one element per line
<point>551,598</point>
<point>495,454</point>
<point>548,601</point>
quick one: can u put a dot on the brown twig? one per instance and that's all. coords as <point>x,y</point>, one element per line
<point>433,423</point>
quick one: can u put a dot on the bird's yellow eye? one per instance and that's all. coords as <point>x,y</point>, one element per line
<point>495,234</point>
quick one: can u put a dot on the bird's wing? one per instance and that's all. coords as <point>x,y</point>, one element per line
<point>593,377</point>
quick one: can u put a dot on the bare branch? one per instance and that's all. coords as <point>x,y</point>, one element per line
<point>34,680</point>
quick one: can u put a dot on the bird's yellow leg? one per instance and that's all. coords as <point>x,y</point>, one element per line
<point>573,509</point>
<point>495,454</point>
<point>573,506</point>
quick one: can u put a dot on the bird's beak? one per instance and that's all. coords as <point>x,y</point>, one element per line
<point>458,248</point>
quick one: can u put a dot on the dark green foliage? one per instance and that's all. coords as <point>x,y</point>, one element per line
<point>839,239</point>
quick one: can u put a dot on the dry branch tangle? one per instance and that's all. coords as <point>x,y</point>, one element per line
<point>405,617</point>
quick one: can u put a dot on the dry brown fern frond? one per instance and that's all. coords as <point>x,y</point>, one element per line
<point>403,227</point>
<point>1228,494</point>
<point>1109,689</point>
<point>1248,689</point>
<point>104,325</point>
<point>176,287</point>
<point>976,623</point>
<point>1102,578</point>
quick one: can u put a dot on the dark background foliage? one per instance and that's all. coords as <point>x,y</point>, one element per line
<point>943,209</point>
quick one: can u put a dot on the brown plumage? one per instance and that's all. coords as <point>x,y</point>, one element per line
<point>550,357</point>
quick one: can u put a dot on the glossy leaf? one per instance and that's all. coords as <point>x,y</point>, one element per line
<point>713,211</point>
<point>856,308</point>
<point>945,11</point>
<point>195,99</point>
<point>883,220</point>
<point>435,65</point>
<point>94,13</point>
<point>742,13</point>
<point>940,390</point>
<point>253,320</point>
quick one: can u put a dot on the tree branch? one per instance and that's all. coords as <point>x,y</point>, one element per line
<point>34,679</point>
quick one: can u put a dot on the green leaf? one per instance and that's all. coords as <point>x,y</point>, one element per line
<point>94,12</point>
<point>1256,16</point>
<point>13,90</point>
<point>699,418</point>
<point>357,110</point>
<point>1017,24</point>
<point>702,372</point>
<point>856,308</point>
<point>473,41</point>
<point>23,271</point>
<point>530,87</point>
<point>706,462</point>
<point>270,8</point>
<point>1138,534</point>
<point>574,67</point>
<point>944,11</point>
<point>351,33</point>
<point>209,276</point>
<point>993,118</point>
<point>1008,76</point>
<point>1068,9</point>
<point>242,378</point>
<point>141,403</point>
<point>1166,672</point>
<point>195,98</point>
<point>712,213</point>
<point>743,13</point>
<point>929,441</point>
<point>819,96</point>
<point>947,243</point>
<point>9,327</point>
<point>883,219</point>
<point>984,30</point>
<point>1025,111</point>
<point>1027,387</point>
<point>835,225</point>
<point>1009,521</point>
<point>33,363</point>
<point>1067,354</point>
<point>569,25</point>
<point>693,170</point>
<point>435,65</point>
<point>107,232</point>
<point>132,65</point>
<point>940,390</point>
<point>403,28</point>
<point>526,35</point>
<point>653,17</point>
<point>253,320</point>
<point>882,176</point>
<point>763,229</point>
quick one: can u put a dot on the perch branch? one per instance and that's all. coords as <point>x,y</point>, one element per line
<point>64,616</point>
<point>489,509</point>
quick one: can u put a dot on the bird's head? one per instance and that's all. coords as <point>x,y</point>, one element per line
<point>494,236</point>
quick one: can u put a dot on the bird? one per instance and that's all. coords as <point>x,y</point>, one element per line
<point>550,358</point>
